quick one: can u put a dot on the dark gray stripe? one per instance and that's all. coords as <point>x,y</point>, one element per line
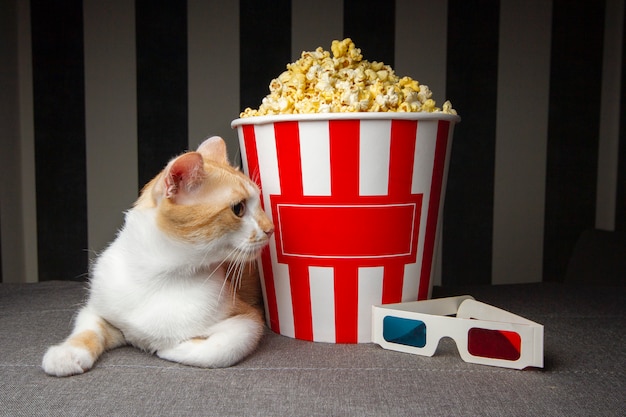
<point>59,125</point>
<point>372,32</point>
<point>264,47</point>
<point>573,129</point>
<point>472,73</point>
<point>161,30</point>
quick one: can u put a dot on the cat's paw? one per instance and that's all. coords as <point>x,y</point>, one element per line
<point>65,360</point>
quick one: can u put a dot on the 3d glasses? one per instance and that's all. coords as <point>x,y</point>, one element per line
<point>483,334</point>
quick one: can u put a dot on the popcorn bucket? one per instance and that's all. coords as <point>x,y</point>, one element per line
<point>356,200</point>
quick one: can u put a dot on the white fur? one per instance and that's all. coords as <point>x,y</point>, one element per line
<point>156,290</point>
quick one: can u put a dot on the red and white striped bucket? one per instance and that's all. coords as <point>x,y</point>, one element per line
<point>356,200</point>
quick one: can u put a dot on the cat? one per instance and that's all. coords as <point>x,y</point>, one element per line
<point>178,280</point>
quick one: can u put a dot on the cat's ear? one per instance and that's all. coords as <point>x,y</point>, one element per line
<point>183,174</point>
<point>214,149</point>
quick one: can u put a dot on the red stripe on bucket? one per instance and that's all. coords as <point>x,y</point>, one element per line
<point>288,154</point>
<point>392,282</point>
<point>344,157</point>
<point>401,157</point>
<point>344,138</point>
<point>253,171</point>
<point>346,302</point>
<point>301,300</point>
<point>434,203</point>
<point>252,154</point>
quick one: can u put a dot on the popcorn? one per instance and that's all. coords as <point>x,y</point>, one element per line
<point>345,82</point>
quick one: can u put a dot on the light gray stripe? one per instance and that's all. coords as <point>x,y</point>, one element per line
<point>213,71</point>
<point>19,217</point>
<point>521,140</point>
<point>110,116</point>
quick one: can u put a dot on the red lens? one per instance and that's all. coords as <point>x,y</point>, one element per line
<point>494,344</point>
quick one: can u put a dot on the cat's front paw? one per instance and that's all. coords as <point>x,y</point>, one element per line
<point>65,360</point>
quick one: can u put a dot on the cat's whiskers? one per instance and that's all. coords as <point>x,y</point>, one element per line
<point>219,297</point>
<point>226,258</point>
<point>240,256</point>
<point>237,268</point>
<point>214,270</point>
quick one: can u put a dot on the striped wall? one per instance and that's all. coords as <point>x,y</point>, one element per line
<point>98,95</point>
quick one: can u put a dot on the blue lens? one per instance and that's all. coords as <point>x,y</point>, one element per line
<point>404,331</point>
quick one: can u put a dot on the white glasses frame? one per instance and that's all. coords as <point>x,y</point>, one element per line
<point>453,317</point>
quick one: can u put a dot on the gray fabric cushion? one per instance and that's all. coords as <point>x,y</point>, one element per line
<point>584,373</point>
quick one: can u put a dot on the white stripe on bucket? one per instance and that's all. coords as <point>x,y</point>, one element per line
<point>315,145</point>
<point>370,293</point>
<point>322,285</point>
<point>374,153</point>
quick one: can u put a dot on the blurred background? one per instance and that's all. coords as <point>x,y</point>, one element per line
<point>97,96</point>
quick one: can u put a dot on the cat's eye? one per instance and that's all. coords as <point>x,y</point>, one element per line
<point>239,208</point>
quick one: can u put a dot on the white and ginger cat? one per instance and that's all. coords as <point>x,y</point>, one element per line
<point>177,281</point>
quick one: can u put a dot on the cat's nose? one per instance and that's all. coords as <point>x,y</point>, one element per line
<point>269,231</point>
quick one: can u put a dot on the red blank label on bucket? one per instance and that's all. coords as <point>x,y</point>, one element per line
<point>367,231</point>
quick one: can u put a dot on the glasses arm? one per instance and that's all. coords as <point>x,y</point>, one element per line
<point>472,309</point>
<point>438,306</point>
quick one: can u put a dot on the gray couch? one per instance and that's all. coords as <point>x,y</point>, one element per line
<point>584,374</point>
